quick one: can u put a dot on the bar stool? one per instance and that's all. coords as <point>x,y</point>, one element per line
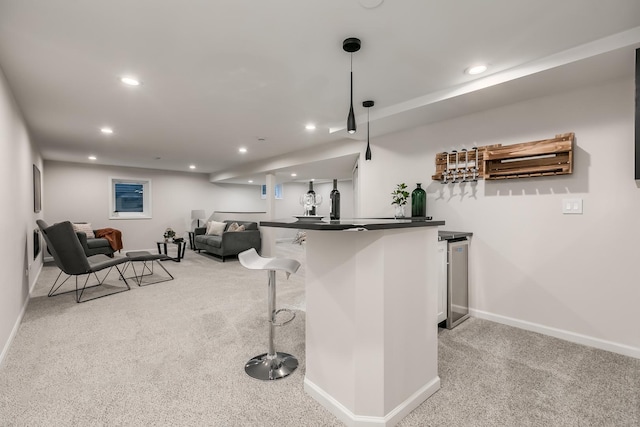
<point>271,365</point>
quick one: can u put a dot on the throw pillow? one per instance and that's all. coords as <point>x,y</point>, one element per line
<point>240,228</point>
<point>233,227</point>
<point>215,228</point>
<point>84,227</point>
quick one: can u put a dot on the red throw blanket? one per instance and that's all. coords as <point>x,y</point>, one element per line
<point>113,236</point>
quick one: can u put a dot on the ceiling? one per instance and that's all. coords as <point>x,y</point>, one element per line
<point>220,75</point>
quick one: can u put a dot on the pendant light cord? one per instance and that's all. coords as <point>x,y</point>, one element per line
<point>352,80</point>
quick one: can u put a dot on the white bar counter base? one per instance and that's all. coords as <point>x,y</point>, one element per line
<point>371,310</point>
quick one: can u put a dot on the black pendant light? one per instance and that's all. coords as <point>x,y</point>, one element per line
<point>351,45</point>
<point>367,105</point>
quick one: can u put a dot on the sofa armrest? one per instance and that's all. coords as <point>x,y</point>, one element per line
<point>200,230</point>
<point>82,236</point>
<point>237,241</point>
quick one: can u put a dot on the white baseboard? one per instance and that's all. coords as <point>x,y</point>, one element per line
<point>389,420</point>
<point>614,347</point>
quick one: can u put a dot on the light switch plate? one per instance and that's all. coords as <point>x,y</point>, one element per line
<point>572,206</point>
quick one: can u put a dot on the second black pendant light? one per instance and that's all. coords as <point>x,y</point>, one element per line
<point>367,105</point>
<point>351,45</point>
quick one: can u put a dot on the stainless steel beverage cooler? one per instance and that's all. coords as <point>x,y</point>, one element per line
<point>457,281</point>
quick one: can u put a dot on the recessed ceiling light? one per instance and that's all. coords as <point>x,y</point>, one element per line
<point>294,174</point>
<point>476,69</point>
<point>106,130</point>
<point>192,166</point>
<point>250,181</point>
<point>92,157</point>
<point>310,126</point>
<point>242,150</point>
<point>130,81</point>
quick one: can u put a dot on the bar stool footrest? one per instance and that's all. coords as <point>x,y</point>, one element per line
<point>265,367</point>
<point>286,310</point>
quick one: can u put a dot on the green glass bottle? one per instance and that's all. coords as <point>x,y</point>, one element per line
<point>418,202</point>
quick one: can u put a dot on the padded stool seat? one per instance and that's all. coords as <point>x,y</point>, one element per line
<point>147,259</point>
<point>271,365</point>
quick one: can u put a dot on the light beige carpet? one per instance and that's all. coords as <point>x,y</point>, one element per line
<point>173,354</point>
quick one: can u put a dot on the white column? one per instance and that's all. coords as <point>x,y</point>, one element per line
<point>269,233</point>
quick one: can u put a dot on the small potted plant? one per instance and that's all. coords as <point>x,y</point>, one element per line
<point>399,199</point>
<point>169,234</point>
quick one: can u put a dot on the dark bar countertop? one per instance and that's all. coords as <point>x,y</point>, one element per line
<point>324,224</point>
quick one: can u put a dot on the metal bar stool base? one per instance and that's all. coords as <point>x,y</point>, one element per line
<point>271,368</point>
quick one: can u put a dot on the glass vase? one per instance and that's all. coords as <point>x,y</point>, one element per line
<point>399,211</point>
<point>418,202</point>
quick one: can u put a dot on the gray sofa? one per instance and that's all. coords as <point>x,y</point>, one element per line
<point>230,242</point>
<point>94,246</point>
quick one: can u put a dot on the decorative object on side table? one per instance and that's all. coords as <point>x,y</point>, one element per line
<point>399,199</point>
<point>169,234</point>
<point>334,207</point>
<point>418,202</point>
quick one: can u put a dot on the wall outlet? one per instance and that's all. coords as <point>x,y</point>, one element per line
<point>572,206</point>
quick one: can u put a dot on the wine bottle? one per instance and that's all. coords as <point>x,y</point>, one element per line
<point>313,193</point>
<point>334,209</point>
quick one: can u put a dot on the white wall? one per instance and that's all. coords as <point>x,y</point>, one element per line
<point>19,269</point>
<point>80,192</point>
<point>572,276</point>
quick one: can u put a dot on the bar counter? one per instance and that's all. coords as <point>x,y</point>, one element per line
<point>371,315</point>
<point>321,223</point>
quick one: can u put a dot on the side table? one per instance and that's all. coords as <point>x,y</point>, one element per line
<point>192,240</point>
<point>162,249</point>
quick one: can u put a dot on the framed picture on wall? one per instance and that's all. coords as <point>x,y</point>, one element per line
<point>37,190</point>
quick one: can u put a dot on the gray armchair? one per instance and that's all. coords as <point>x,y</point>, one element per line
<point>230,242</point>
<point>71,259</point>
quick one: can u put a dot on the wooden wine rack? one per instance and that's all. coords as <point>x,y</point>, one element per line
<point>529,159</point>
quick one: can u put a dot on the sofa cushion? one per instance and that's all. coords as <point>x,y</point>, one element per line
<point>84,227</point>
<point>213,241</point>
<point>235,227</point>
<point>97,243</point>
<point>215,228</point>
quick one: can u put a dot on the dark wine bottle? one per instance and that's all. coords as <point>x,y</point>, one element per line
<point>313,193</point>
<point>334,210</point>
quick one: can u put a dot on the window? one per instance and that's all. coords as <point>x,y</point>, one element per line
<point>278,191</point>
<point>129,198</point>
